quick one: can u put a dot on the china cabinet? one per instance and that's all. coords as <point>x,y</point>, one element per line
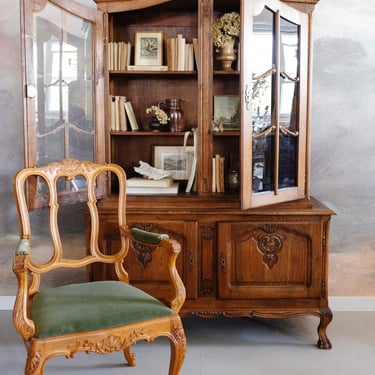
<point>260,248</point>
<point>254,242</point>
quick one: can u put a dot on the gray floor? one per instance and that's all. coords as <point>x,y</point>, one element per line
<point>225,346</point>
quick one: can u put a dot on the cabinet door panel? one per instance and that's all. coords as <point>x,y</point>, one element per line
<point>148,270</point>
<point>63,75</point>
<point>261,260</point>
<point>273,165</point>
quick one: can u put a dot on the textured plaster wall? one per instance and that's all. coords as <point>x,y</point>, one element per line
<point>343,135</point>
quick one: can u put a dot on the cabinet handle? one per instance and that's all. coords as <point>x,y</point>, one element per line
<point>223,263</point>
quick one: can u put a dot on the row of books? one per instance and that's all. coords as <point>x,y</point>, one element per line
<point>122,114</point>
<point>119,55</point>
<point>181,56</point>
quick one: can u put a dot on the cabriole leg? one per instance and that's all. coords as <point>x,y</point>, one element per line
<point>325,318</point>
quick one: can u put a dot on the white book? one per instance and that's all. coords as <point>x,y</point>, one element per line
<point>114,113</point>
<point>128,54</point>
<point>115,56</point>
<point>196,51</point>
<point>180,52</point>
<point>161,68</point>
<point>123,123</point>
<point>109,56</point>
<point>141,190</point>
<point>189,57</point>
<point>145,182</point>
<point>131,116</point>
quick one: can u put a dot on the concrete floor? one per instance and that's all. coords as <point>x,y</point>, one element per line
<point>224,346</point>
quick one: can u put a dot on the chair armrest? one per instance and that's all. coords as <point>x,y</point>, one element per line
<point>23,324</point>
<point>148,237</point>
<point>172,249</point>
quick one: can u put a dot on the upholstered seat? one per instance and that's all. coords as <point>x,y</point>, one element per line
<point>101,316</point>
<point>92,306</point>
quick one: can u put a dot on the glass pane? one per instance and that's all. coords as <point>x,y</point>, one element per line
<point>289,78</point>
<point>263,81</point>
<point>63,54</point>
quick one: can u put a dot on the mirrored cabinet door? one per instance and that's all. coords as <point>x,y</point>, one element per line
<point>63,87</point>
<point>274,140</point>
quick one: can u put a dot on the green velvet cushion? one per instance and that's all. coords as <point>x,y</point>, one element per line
<point>91,306</point>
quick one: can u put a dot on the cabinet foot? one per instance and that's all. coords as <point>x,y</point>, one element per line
<point>325,318</point>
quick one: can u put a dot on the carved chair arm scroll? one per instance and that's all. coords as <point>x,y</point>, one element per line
<point>172,249</point>
<point>23,324</point>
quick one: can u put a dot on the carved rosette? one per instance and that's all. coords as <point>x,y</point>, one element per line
<point>270,244</point>
<point>144,252</point>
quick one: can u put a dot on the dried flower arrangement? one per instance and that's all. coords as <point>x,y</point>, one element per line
<point>158,113</point>
<point>226,26</point>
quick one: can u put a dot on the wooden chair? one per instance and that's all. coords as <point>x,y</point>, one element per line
<point>102,316</point>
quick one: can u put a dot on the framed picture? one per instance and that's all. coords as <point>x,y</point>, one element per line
<point>148,48</point>
<point>177,160</point>
<point>226,112</point>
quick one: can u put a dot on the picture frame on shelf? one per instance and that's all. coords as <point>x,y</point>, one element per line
<point>226,112</point>
<point>148,48</point>
<point>177,160</point>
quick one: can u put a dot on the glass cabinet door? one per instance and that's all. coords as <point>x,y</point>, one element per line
<point>274,118</point>
<point>64,87</point>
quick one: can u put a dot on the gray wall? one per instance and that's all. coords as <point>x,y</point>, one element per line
<point>343,133</point>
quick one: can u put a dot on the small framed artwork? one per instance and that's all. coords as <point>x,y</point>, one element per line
<point>177,160</point>
<point>148,50</point>
<point>226,112</point>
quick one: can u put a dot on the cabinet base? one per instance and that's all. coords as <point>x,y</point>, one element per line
<point>324,314</point>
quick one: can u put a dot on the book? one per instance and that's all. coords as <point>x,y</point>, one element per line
<point>195,159</point>
<point>145,182</point>
<point>196,51</point>
<point>114,113</point>
<point>218,174</point>
<point>181,42</point>
<point>121,113</point>
<point>161,68</point>
<point>150,190</point>
<point>131,116</point>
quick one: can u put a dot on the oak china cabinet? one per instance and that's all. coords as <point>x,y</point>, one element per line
<point>255,243</point>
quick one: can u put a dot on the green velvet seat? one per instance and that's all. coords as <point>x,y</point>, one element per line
<point>92,306</point>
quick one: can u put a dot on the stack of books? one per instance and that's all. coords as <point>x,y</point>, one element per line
<point>144,186</point>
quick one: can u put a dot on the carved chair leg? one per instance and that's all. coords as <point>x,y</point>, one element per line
<point>178,351</point>
<point>129,356</point>
<point>34,363</point>
<point>325,318</point>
